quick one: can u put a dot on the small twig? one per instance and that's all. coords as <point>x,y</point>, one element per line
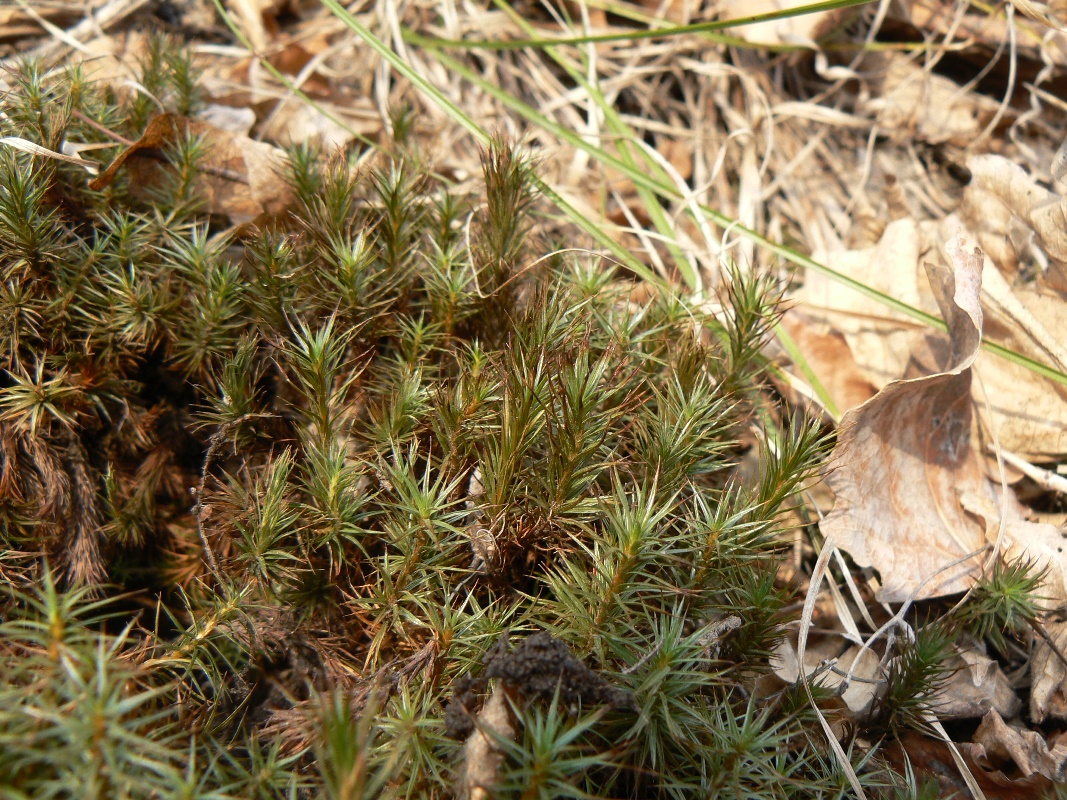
<point>1046,479</point>
<point>854,678</point>
<point>92,123</point>
<point>714,632</point>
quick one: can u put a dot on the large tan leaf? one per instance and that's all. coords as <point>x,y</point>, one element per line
<point>903,457</point>
<point>911,494</point>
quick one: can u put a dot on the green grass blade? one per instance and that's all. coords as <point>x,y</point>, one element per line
<point>623,135</point>
<point>285,80</point>
<point>656,33</point>
<point>806,370</point>
<point>670,192</point>
<point>480,135</point>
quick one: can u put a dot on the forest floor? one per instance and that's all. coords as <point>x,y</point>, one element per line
<point>898,167</point>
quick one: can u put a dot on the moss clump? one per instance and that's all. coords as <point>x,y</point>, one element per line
<point>267,503</point>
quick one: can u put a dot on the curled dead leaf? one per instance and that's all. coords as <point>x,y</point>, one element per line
<point>931,760</point>
<point>997,741</point>
<point>239,177</point>
<point>912,499</point>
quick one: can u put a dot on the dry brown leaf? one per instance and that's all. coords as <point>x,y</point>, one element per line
<point>931,760</point>
<point>1044,545</point>
<point>1001,190</point>
<point>1027,411</point>
<point>294,58</point>
<point>912,499</point>
<point>785,664</point>
<point>805,29</point>
<point>830,358</point>
<point>867,684</point>
<point>240,178</point>
<point>999,742</point>
<point>881,340</point>
<point>679,153</point>
<point>1041,543</point>
<point>976,686</point>
<point>913,103</point>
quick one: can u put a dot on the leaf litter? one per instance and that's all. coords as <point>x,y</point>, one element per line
<point>879,163</point>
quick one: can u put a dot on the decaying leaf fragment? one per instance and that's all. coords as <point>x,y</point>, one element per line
<point>239,177</point>
<point>998,742</point>
<point>540,668</point>
<point>915,103</point>
<point>1001,192</point>
<point>1048,693</point>
<point>827,663</point>
<point>828,355</point>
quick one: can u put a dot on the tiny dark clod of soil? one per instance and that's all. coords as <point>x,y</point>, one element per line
<point>536,669</point>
